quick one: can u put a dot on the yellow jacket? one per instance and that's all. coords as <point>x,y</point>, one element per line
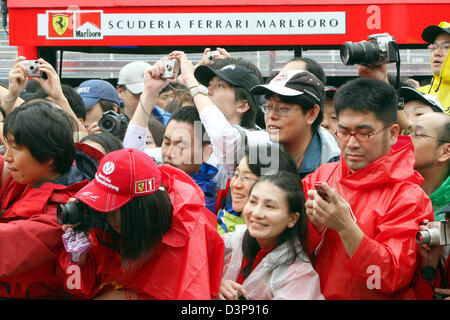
<point>440,85</point>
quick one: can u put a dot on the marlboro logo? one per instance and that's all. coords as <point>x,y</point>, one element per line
<point>75,24</point>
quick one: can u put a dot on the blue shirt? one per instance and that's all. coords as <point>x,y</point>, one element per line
<point>311,160</point>
<point>205,181</point>
<point>161,115</point>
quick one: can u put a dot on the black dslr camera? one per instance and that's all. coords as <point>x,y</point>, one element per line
<point>381,49</point>
<point>114,123</point>
<point>79,213</point>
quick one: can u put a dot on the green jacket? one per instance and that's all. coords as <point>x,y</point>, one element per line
<point>227,219</point>
<point>441,198</point>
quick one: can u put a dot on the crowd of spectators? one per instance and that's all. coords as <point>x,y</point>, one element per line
<point>215,183</point>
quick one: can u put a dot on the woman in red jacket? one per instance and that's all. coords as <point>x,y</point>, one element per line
<point>37,175</point>
<point>157,239</point>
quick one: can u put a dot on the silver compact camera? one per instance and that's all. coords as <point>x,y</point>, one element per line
<point>436,234</point>
<point>212,54</point>
<point>32,68</point>
<point>171,68</point>
<point>381,49</point>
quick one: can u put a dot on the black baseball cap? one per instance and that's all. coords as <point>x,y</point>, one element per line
<point>410,94</point>
<point>233,74</point>
<point>330,91</point>
<point>430,33</point>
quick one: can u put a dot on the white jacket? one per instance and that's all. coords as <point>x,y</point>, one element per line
<point>273,278</point>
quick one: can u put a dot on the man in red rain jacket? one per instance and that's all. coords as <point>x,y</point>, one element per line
<point>363,237</point>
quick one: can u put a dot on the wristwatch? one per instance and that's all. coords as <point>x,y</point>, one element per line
<point>199,89</point>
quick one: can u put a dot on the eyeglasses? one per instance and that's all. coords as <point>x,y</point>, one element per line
<point>243,179</point>
<point>443,47</point>
<point>281,110</point>
<point>359,135</point>
<point>414,134</point>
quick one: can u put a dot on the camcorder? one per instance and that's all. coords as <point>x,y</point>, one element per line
<point>32,68</point>
<point>82,215</point>
<point>114,123</point>
<point>171,69</point>
<point>380,49</point>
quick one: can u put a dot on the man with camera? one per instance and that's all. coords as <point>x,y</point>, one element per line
<point>363,236</point>
<point>99,96</point>
<point>130,86</point>
<point>431,137</point>
<point>185,146</point>
<point>439,39</point>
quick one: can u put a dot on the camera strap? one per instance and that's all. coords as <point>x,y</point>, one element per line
<point>19,90</point>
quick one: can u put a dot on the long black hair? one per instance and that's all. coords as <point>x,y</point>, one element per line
<point>292,187</point>
<point>144,222</point>
<point>268,159</point>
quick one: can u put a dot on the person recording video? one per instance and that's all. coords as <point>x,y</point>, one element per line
<point>150,235</point>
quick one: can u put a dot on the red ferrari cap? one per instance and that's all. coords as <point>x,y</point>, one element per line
<point>121,176</point>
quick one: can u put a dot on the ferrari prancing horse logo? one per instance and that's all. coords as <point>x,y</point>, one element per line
<point>60,23</point>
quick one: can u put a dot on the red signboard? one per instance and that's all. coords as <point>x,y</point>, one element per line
<point>213,23</point>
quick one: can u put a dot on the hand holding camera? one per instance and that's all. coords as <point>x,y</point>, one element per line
<point>435,233</point>
<point>171,69</point>
<point>32,68</point>
<point>114,123</point>
<point>380,49</point>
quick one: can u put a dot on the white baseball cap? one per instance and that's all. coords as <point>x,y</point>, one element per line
<point>132,76</point>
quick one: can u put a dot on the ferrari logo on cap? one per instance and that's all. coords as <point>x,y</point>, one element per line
<point>144,186</point>
<point>140,186</point>
<point>60,23</point>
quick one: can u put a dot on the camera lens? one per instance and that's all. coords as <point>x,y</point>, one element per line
<point>364,52</point>
<point>31,68</point>
<point>423,237</point>
<point>70,213</point>
<point>107,124</point>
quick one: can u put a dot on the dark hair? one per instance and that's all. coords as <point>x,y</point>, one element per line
<point>249,117</point>
<point>45,130</point>
<point>295,197</point>
<point>312,66</point>
<point>3,112</point>
<point>368,95</point>
<point>144,222</point>
<point>181,97</point>
<point>166,88</point>
<point>32,86</point>
<point>157,129</point>
<point>108,105</point>
<point>109,142</point>
<point>306,103</point>
<point>189,114</point>
<point>73,98</point>
<point>259,157</point>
